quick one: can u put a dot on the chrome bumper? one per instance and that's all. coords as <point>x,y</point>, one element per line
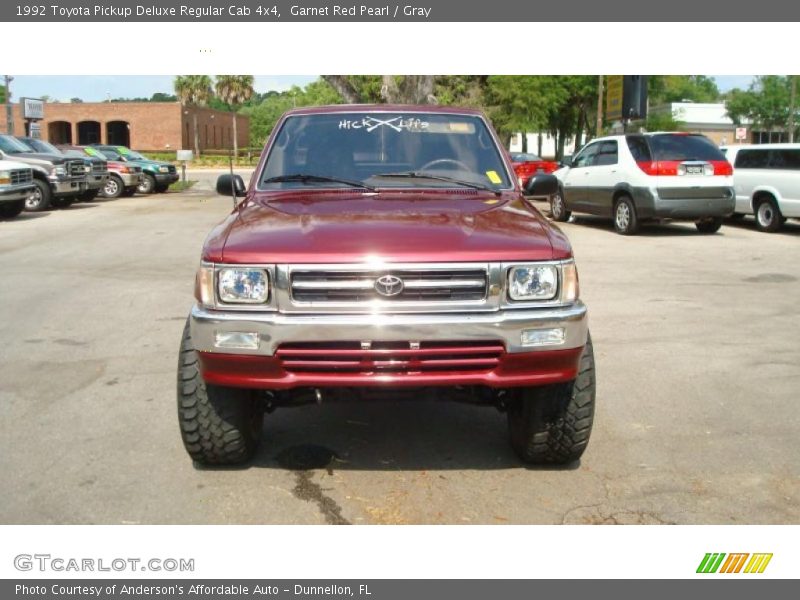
<point>96,182</point>
<point>275,328</point>
<point>14,192</point>
<point>130,179</point>
<point>68,187</point>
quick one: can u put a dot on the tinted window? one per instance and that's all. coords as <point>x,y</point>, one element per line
<point>586,156</point>
<point>639,149</point>
<point>522,157</point>
<point>785,159</point>
<point>365,146</point>
<point>751,159</point>
<point>684,147</point>
<point>606,155</point>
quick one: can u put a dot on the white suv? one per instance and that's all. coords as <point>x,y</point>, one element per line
<point>767,182</point>
<point>639,177</point>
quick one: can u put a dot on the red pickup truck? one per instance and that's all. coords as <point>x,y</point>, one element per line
<point>382,248</point>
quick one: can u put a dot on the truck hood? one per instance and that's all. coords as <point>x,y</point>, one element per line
<point>395,226</point>
<point>37,158</point>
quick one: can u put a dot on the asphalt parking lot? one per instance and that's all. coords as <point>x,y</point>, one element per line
<point>698,365</point>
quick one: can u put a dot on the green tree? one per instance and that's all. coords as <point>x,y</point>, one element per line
<point>765,104</point>
<point>194,90</point>
<point>680,88</point>
<point>234,90</point>
<point>162,97</point>
<point>521,103</point>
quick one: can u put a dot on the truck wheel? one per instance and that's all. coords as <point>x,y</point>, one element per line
<point>161,188</point>
<point>625,220</point>
<point>88,195</point>
<point>9,210</point>
<point>551,424</point>
<point>40,198</point>
<point>113,187</point>
<point>147,184</point>
<point>768,215</point>
<point>709,225</point>
<point>558,210</point>
<point>219,425</point>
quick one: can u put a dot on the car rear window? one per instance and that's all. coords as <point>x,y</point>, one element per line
<point>639,148</point>
<point>752,159</point>
<point>683,147</point>
<point>785,159</point>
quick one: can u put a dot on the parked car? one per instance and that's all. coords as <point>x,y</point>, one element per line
<point>96,168</point>
<point>766,178</point>
<point>378,249</point>
<point>645,177</point>
<point>527,165</point>
<point>58,180</point>
<point>123,177</point>
<point>156,176</point>
<point>16,185</point>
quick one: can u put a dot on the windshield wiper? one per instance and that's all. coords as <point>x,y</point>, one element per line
<point>424,175</point>
<point>308,178</point>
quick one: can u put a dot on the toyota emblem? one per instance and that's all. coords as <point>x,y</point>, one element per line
<point>388,285</point>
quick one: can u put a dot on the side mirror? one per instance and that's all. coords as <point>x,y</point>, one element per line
<point>566,161</point>
<point>542,185</point>
<point>231,185</point>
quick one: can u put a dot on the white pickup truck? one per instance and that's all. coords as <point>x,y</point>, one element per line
<point>16,184</point>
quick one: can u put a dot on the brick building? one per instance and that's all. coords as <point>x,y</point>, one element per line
<point>144,126</point>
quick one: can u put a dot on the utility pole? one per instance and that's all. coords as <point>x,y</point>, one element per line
<point>599,106</point>
<point>792,106</point>
<point>9,111</point>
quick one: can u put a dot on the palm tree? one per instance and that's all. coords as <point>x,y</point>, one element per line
<point>195,90</point>
<point>234,90</point>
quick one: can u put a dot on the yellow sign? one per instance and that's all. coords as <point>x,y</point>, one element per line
<point>613,97</point>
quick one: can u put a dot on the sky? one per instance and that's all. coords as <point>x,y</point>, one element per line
<point>93,88</point>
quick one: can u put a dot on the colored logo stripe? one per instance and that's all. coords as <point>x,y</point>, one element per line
<point>733,564</point>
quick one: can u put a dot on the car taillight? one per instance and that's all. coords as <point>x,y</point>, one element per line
<point>550,167</point>
<point>722,167</point>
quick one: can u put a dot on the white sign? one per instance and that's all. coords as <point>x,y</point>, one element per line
<point>741,133</point>
<point>32,108</point>
<point>185,155</point>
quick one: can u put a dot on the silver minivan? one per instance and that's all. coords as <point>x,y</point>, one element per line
<point>766,178</point>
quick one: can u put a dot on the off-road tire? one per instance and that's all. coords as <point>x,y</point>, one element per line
<point>161,188</point>
<point>147,185</point>
<point>551,425</point>
<point>9,210</point>
<point>40,199</point>
<point>768,215</point>
<point>626,222</point>
<point>112,188</point>
<point>558,209</point>
<point>709,225</point>
<point>219,425</point>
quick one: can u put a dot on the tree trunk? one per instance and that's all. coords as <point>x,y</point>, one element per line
<point>524,142</point>
<point>792,105</point>
<point>235,139</point>
<point>539,144</point>
<point>196,135</point>
<point>345,89</point>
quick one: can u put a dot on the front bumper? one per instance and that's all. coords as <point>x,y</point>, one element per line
<point>166,178</point>
<point>68,187</point>
<point>130,179</point>
<point>96,182</point>
<point>517,365</point>
<point>10,193</point>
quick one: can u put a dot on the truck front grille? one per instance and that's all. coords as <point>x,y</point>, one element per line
<point>75,168</point>
<point>390,357</point>
<point>391,285</point>
<point>19,176</point>
<point>99,167</point>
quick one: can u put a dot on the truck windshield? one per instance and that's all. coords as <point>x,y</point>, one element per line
<point>41,146</point>
<point>9,145</point>
<point>384,149</point>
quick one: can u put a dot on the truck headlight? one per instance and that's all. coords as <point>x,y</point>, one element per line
<point>59,171</point>
<point>533,282</point>
<point>163,169</point>
<point>243,285</point>
<point>5,177</point>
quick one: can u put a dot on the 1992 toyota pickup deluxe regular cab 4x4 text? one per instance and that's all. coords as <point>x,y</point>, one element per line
<point>385,247</point>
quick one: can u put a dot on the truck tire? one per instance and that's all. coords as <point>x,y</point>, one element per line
<point>709,225</point>
<point>558,209</point>
<point>161,188</point>
<point>552,424</point>
<point>147,185</point>
<point>625,220</point>
<point>768,215</point>
<point>219,425</point>
<point>88,195</point>
<point>9,210</point>
<point>39,200</point>
<point>62,202</point>
<point>113,187</point>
